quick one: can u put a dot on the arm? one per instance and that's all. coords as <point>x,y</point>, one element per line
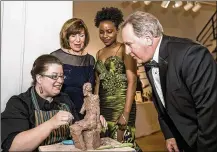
<point>83,107</point>
<point>163,121</point>
<point>97,81</point>
<point>31,139</point>
<point>131,68</point>
<point>17,134</point>
<point>92,72</point>
<point>200,75</point>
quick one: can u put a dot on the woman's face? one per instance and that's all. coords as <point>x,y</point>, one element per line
<point>77,41</point>
<point>52,80</point>
<point>107,32</point>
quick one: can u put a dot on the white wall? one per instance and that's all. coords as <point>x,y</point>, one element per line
<point>29,29</point>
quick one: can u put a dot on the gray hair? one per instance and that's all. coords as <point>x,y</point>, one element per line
<point>143,23</point>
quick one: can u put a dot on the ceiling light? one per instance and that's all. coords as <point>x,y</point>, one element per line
<point>134,1</point>
<point>196,7</point>
<point>188,6</point>
<point>147,2</point>
<point>177,4</point>
<point>165,4</point>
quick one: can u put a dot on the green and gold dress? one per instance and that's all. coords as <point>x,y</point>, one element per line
<point>112,93</point>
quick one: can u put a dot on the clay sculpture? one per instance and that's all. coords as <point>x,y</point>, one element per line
<point>86,132</point>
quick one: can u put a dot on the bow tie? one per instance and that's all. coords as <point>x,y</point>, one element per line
<point>151,64</point>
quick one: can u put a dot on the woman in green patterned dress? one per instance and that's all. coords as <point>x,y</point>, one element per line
<point>115,78</point>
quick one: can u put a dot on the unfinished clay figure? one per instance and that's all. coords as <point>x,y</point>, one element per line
<point>86,132</point>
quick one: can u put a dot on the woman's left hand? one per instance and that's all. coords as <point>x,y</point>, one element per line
<point>103,121</point>
<point>123,119</point>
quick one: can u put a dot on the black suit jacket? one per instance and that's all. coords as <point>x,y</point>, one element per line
<point>188,75</point>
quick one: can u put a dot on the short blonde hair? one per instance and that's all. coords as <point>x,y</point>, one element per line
<point>73,26</point>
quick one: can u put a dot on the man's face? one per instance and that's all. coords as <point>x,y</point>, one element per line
<point>135,46</point>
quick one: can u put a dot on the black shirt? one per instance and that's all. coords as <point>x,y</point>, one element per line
<point>19,114</point>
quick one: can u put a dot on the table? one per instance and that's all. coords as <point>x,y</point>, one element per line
<point>104,141</point>
<point>146,119</point>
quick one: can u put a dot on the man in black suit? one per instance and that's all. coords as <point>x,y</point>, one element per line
<point>183,76</point>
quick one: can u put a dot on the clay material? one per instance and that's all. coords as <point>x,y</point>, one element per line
<point>86,132</point>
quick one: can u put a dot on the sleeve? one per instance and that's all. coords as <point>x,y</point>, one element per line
<point>164,122</point>
<point>200,75</point>
<point>164,127</point>
<point>14,119</point>
<point>162,118</point>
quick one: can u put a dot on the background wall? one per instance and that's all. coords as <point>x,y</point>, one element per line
<point>28,29</point>
<point>175,21</point>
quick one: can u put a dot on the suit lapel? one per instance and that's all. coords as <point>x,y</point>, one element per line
<point>162,73</point>
<point>163,54</point>
<point>151,81</point>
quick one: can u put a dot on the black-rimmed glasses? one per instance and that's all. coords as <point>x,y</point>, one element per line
<point>54,77</point>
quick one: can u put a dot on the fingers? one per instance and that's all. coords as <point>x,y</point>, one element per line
<point>103,121</point>
<point>121,121</point>
<point>170,148</point>
<point>172,145</point>
<point>120,135</point>
<point>175,147</point>
<point>65,117</point>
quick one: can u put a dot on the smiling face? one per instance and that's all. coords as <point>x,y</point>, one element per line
<point>108,32</point>
<point>51,87</point>
<point>76,41</point>
<point>137,47</point>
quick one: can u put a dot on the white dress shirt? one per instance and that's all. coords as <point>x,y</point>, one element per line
<point>155,74</point>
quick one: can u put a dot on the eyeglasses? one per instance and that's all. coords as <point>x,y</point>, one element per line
<point>54,77</point>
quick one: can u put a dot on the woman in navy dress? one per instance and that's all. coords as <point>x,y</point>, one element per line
<point>77,63</point>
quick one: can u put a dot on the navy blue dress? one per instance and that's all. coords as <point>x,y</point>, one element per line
<point>77,71</point>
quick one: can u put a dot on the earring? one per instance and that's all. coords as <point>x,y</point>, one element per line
<point>40,89</point>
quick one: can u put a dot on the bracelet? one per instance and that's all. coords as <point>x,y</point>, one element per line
<point>124,118</point>
<point>141,71</point>
<point>139,65</point>
<point>143,78</point>
<point>122,127</point>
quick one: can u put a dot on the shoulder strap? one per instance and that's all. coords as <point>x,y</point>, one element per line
<point>118,49</point>
<point>97,54</point>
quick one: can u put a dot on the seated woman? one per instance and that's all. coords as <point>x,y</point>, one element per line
<point>41,115</point>
<point>77,63</point>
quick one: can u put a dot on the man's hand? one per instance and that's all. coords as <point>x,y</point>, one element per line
<point>171,145</point>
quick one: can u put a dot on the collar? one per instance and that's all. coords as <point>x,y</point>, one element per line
<point>45,104</point>
<point>156,53</point>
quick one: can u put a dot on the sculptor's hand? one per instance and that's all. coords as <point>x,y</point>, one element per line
<point>172,145</point>
<point>103,121</point>
<point>61,118</point>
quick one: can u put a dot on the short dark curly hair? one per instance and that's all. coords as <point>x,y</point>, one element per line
<point>109,13</point>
